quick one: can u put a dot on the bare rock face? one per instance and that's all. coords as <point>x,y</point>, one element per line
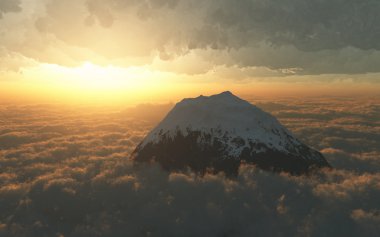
<point>220,132</point>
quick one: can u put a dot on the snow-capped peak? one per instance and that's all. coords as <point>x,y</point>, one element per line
<point>226,117</point>
<point>221,131</point>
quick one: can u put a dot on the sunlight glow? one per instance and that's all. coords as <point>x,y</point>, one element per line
<point>90,76</point>
<point>95,83</point>
<point>91,83</point>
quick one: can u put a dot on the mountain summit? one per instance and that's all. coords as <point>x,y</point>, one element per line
<point>221,131</point>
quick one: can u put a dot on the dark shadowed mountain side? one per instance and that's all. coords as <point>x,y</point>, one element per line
<point>220,132</point>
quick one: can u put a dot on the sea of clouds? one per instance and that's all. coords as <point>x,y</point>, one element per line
<point>65,171</point>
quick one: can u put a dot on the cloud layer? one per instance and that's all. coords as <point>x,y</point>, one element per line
<point>301,37</point>
<point>65,172</point>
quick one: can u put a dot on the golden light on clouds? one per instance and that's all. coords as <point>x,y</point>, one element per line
<point>90,76</point>
<point>142,51</point>
<point>90,83</point>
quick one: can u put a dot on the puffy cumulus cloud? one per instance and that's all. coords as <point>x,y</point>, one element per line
<point>282,37</point>
<point>364,217</point>
<point>72,177</point>
<point>13,62</point>
<point>125,200</point>
<point>361,161</point>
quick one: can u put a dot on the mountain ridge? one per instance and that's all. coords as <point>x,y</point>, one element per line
<point>222,128</point>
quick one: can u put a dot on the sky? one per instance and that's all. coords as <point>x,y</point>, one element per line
<point>64,166</point>
<point>160,50</point>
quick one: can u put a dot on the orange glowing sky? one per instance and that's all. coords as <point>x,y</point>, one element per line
<point>91,51</point>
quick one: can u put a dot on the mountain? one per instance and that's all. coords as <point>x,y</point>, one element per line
<point>220,132</point>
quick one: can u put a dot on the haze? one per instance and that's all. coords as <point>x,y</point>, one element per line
<point>83,81</point>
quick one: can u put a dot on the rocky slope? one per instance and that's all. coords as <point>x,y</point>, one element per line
<point>220,132</point>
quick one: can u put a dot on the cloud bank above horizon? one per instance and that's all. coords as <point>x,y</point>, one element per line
<point>259,38</point>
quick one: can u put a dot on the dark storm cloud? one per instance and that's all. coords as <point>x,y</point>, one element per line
<point>313,36</point>
<point>79,182</point>
<point>285,37</point>
<point>9,6</point>
<point>309,25</point>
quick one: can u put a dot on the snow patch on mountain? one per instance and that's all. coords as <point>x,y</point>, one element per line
<point>229,120</point>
